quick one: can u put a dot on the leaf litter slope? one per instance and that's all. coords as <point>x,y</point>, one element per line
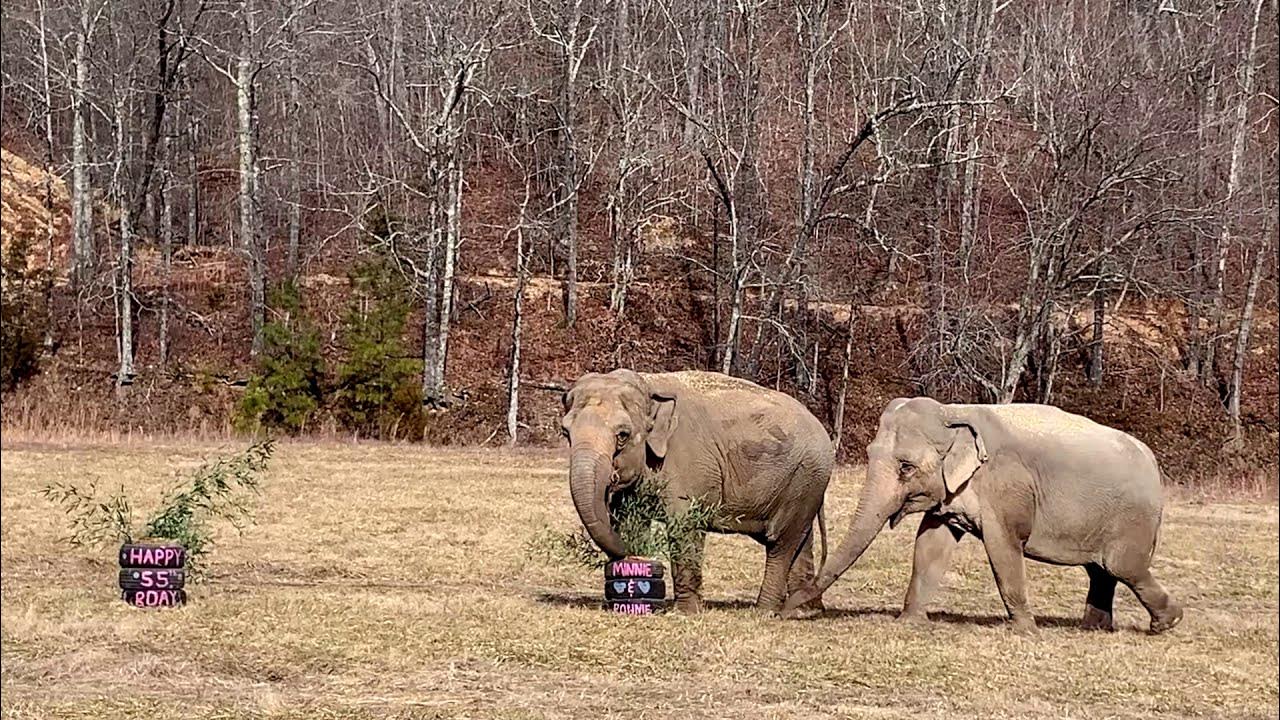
<point>389,581</point>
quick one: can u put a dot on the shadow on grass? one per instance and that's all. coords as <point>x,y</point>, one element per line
<point>582,600</point>
<point>951,618</point>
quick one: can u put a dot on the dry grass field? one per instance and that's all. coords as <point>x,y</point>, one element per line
<point>391,581</point>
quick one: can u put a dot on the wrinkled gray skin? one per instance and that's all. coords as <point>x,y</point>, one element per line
<point>1029,481</point>
<point>757,453</point>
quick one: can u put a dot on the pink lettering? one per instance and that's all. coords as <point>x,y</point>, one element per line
<point>145,556</point>
<point>624,569</point>
<point>633,608</point>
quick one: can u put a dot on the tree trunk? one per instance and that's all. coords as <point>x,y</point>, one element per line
<point>249,241</point>
<point>1095,345</point>
<point>715,284</point>
<point>621,241</point>
<point>1048,363</point>
<point>739,281</point>
<point>295,167</point>
<point>569,189</point>
<point>124,266</point>
<point>81,194</point>
<point>1242,342</point>
<point>432,378</point>
<point>517,331</point>
<point>49,171</point>
<point>452,237</point>
<point>193,183</point>
<point>943,180</point>
<point>838,422</point>
<point>971,188</point>
<point>166,251</point>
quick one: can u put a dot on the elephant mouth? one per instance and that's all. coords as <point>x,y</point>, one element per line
<point>618,484</point>
<point>896,518</point>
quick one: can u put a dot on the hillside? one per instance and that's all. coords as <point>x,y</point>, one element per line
<point>666,327</point>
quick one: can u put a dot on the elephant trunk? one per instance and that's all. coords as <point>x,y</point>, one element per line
<point>589,474</point>
<point>874,508</point>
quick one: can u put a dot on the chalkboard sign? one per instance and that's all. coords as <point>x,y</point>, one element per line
<point>153,575</point>
<point>635,586</point>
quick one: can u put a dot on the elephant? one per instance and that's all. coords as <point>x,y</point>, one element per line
<point>1031,481</point>
<point>758,456</point>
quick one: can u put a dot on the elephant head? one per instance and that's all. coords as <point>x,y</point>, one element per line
<point>617,426</point>
<point>922,453</point>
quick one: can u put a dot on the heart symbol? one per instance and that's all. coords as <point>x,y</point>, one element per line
<point>643,585</point>
<point>619,587</point>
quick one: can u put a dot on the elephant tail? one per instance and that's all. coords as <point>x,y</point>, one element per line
<point>1155,541</point>
<point>822,534</point>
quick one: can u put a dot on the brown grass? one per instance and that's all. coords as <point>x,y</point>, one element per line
<point>389,581</point>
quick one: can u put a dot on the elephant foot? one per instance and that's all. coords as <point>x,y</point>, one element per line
<point>805,611</point>
<point>913,617</point>
<point>1167,620</point>
<point>1095,619</point>
<point>689,605</point>
<point>1025,626</point>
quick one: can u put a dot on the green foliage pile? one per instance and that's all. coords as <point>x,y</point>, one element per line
<point>643,523</point>
<point>217,490</point>
<point>22,314</point>
<point>287,389</point>
<point>377,392</point>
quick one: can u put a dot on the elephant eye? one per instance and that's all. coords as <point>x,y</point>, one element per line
<point>905,468</point>
<point>623,437</point>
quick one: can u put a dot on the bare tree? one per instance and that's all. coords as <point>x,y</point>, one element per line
<point>430,112</point>
<point>89,14</point>
<point>1230,202</point>
<point>569,29</point>
<point>1236,387</point>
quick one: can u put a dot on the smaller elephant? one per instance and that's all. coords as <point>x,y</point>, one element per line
<point>1029,481</point>
<point>757,455</point>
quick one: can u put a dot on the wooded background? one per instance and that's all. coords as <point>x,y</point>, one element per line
<point>1069,202</point>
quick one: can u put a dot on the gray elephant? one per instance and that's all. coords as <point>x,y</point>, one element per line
<point>756,454</point>
<point>1030,481</point>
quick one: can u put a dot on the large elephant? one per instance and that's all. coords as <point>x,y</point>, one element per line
<point>756,454</point>
<point>1030,481</point>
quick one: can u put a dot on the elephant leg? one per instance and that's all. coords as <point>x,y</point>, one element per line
<point>1009,567</point>
<point>802,571</point>
<point>1102,591</point>
<point>778,558</point>
<point>934,542</point>
<point>1130,564</point>
<point>687,578</point>
<point>1164,610</point>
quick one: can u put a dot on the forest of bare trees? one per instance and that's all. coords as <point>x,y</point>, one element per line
<point>999,168</point>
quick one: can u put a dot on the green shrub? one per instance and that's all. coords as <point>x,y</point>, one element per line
<point>217,490</point>
<point>287,388</point>
<point>377,390</point>
<point>646,528</point>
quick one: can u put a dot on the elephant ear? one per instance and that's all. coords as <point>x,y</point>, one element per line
<point>662,423</point>
<point>966,454</point>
